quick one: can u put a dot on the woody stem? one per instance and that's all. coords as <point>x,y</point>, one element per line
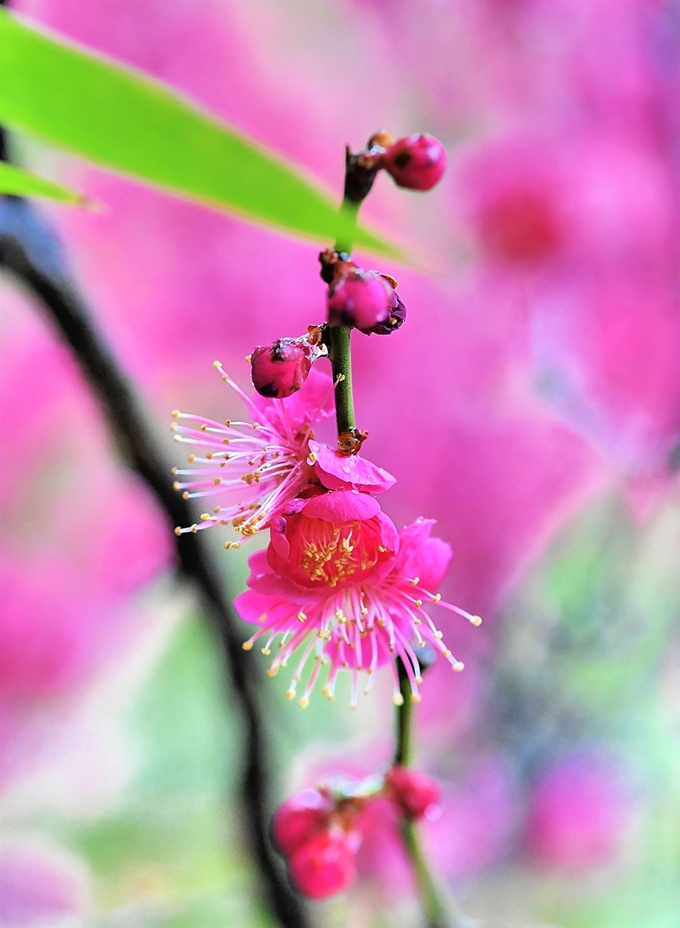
<point>435,910</point>
<point>340,349</point>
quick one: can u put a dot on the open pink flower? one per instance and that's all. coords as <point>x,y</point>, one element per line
<point>339,579</point>
<point>261,466</point>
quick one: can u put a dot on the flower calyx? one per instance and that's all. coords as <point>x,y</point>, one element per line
<point>351,440</point>
<point>362,166</point>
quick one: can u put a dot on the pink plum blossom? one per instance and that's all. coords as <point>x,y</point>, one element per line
<point>339,579</point>
<point>579,814</point>
<point>43,647</point>
<point>260,466</point>
<point>41,885</point>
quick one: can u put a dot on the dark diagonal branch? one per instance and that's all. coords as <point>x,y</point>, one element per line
<point>30,252</point>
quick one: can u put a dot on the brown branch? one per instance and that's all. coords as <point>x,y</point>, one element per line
<point>30,252</point>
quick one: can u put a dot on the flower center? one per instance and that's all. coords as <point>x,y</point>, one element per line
<point>336,555</point>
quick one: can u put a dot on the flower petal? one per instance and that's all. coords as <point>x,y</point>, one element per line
<point>338,471</point>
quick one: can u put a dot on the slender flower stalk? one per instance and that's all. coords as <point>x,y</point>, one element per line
<point>407,676</point>
<point>436,911</point>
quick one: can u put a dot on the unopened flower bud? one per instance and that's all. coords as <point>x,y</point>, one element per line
<point>299,819</point>
<point>361,299</point>
<point>416,162</point>
<point>324,865</point>
<point>413,791</point>
<point>396,318</point>
<point>280,369</point>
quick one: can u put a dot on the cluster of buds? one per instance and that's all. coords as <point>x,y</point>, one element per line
<point>338,580</point>
<point>319,831</point>
<point>365,300</point>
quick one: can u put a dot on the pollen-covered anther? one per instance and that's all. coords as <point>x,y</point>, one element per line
<point>248,645</point>
<point>301,616</point>
<point>458,666</point>
<point>178,530</point>
<point>476,620</point>
<point>398,699</point>
<point>303,702</point>
<point>290,693</point>
<point>415,581</point>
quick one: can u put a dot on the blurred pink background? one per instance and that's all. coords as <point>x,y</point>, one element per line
<point>531,404</point>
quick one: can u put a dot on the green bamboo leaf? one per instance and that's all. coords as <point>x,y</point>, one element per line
<point>124,121</point>
<point>20,183</point>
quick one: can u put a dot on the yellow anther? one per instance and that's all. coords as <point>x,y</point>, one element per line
<point>458,666</point>
<point>398,699</point>
<point>178,530</point>
<point>265,651</point>
<point>415,581</point>
<point>476,620</point>
<point>247,645</point>
<point>303,703</point>
<point>290,694</point>
<point>416,697</point>
<point>272,671</point>
<point>217,364</point>
<point>301,616</point>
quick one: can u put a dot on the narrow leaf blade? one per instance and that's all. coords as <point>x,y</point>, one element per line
<point>118,118</point>
<point>18,182</point>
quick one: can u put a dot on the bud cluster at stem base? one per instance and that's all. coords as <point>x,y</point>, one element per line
<point>319,831</point>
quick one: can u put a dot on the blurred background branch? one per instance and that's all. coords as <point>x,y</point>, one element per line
<point>31,253</point>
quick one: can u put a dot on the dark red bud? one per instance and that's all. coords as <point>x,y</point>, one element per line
<point>397,315</point>
<point>324,865</point>
<point>300,818</point>
<point>413,791</point>
<point>280,369</point>
<point>361,299</point>
<point>416,162</point>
